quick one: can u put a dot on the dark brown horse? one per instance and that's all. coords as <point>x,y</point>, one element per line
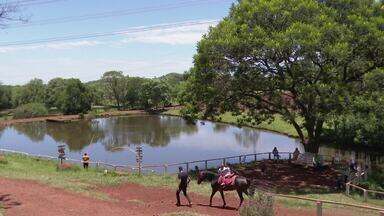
<point>241,185</point>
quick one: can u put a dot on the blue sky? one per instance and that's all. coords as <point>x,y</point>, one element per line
<point>147,54</point>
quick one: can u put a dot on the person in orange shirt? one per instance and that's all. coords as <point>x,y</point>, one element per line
<point>85,161</point>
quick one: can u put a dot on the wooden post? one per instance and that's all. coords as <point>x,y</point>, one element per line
<point>290,156</point>
<point>187,167</point>
<point>269,155</point>
<point>347,187</point>
<point>97,164</point>
<point>165,169</point>
<point>239,159</point>
<point>319,207</point>
<point>224,161</point>
<point>206,165</point>
<point>255,157</point>
<point>365,195</point>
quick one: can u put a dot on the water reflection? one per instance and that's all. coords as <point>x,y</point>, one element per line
<point>153,131</point>
<point>77,135</point>
<point>165,139</point>
<point>34,130</point>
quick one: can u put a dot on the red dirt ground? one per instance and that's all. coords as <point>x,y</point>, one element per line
<point>19,197</point>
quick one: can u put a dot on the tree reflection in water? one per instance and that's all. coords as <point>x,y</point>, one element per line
<point>248,137</point>
<point>156,131</point>
<point>35,131</point>
<point>77,135</point>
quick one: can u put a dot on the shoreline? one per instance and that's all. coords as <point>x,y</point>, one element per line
<point>240,126</point>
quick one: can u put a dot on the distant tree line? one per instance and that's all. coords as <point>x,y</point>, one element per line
<point>71,96</point>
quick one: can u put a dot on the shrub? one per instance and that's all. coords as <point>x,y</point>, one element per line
<point>260,205</point>
<point>30,110</point>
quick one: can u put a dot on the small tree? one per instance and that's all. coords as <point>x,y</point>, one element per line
<point>154,94</point>
<point>75,98</point>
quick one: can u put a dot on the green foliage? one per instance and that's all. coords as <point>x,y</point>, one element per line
<point>32,92</point>
<point>362,121</point>
<point>30,110</point>
<point>54,89</point>
<point>5,97</point>
<point>75,98</point>
<point>132,91</point>
<point>260,205</point>
<point>154,94</point>
<point>299,59</point>
<point>115,83</point>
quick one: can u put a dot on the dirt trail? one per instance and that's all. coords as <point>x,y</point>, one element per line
<point>19,197</point>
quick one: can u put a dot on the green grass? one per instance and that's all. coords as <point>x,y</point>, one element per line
<point>277,125</point>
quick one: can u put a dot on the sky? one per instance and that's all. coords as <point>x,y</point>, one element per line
<point>172,30</point>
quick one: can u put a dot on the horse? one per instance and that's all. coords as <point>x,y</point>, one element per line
<point>241,185</point>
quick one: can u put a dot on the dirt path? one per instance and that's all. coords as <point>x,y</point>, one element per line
<point>21,198</point>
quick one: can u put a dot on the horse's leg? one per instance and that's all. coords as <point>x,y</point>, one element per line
<point>240,193</point>
<point>214,190</point>
<point>222,196</point>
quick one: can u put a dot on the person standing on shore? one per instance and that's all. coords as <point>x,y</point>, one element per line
<point>85,161</point>
<point>184,181</point>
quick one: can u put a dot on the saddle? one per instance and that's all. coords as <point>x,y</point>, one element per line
<point>227,180</point>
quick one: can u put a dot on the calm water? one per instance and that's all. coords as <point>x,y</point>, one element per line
<point>165,139</point>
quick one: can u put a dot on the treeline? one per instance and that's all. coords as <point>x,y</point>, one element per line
<point>71,96</point>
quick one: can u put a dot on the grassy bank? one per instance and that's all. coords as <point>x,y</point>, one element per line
<point>277,125</point>
<point>88,182</point>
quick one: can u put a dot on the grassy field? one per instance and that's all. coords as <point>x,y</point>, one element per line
<point>277,125</point>
<point>88,182</point>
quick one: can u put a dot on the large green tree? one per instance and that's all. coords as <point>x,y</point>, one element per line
<point>115,84</point>
<point>296,58</point>
<point>154,94</point>
<point>32,92</point>
<point>5,97</point>
<point>75,98</point>
<point>53,91</point>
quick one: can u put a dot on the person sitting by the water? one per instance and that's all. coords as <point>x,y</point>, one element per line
<point>318,162</point>
<point>275,153</point>
<point>85,161</point>
<point>296,154</point>
<point>184,181</point>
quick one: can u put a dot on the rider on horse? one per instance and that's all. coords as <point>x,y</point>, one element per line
<point>225,175</point>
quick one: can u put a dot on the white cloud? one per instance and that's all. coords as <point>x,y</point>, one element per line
<point>55,45</point>
<point>172,36</point>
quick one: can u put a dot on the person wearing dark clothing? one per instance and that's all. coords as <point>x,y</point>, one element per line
<point>85,161</point>
<point>275,153</point>
<point>184,181</point>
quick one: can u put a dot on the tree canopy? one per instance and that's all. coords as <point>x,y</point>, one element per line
<point>300,59</point>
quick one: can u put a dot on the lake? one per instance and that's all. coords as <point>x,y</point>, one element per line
<point>165,139</point>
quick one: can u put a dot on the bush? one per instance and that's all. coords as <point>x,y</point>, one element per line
<point>260,205</point>
<point>30,110</point>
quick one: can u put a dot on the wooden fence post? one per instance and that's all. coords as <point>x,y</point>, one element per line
<point>239,159</point>
<point>206,165</point>
<point>365,195</point>
<point>319,207</point>
<point>255,157</point>
<point>187,167</point>
<point>347,187</point>
<point>224,161</point>
<point>165,169</point>
<point>269,155</point>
